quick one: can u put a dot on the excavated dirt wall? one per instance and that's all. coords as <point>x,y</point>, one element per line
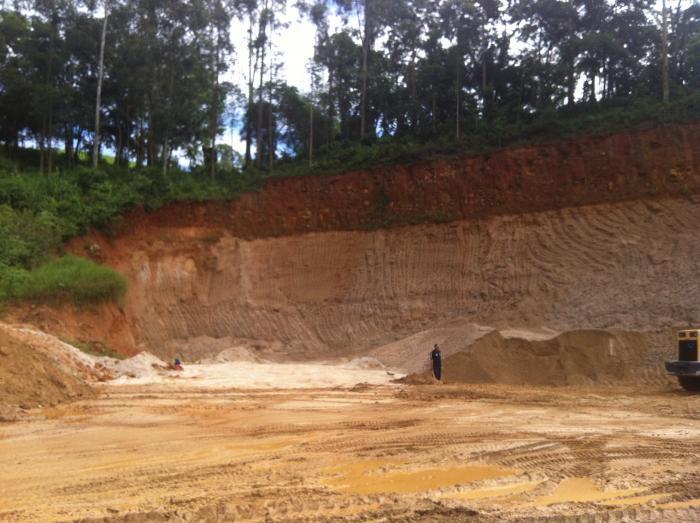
<point>299,270</point>
<point>630,265</point>
<point>625,166</point>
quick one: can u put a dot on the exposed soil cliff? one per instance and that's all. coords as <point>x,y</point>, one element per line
<point>300,269</point>
<point>626,166</point>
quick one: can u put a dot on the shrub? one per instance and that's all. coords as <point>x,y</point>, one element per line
<point>12,282</point>
<point>70,277</point>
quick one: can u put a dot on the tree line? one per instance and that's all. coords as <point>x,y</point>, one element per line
<point>146,78</point>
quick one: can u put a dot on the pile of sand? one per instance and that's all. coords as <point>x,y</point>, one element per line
<point>581,357</point>
<point>411,354</point>
<point>29,377</point>
<point>66,357</point>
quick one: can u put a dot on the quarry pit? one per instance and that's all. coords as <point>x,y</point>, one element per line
<point>553,277</point>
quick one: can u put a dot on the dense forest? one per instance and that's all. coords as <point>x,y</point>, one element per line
<point>381,70</point>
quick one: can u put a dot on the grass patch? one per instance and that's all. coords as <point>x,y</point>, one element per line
<point>68,277</point>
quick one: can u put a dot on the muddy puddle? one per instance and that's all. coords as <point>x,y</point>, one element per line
<point>374,477</point>
<point>580,490</point>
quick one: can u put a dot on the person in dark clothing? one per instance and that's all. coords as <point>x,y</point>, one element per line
<point>436,359</point>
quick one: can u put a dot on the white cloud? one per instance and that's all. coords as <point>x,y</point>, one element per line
<point>293,46</point>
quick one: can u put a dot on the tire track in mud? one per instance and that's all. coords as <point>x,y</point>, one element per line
<point>291,448</point>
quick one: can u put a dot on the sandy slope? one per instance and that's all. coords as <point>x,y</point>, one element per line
<point>29,377</point>
<point>625,266</point>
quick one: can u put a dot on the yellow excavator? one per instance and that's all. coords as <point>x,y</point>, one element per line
<point>687,367</point>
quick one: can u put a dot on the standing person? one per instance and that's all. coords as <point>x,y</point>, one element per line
<point>436,359</point>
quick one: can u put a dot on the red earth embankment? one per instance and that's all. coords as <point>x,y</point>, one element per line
<point>656,162</point>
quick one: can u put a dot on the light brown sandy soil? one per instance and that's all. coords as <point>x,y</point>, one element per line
<point>31,377</point>
<point>431,453</point>
<point>345,293</point>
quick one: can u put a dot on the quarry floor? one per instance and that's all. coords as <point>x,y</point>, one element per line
<point>368,452</point>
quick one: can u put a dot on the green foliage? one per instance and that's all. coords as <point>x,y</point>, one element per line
<point>13,281</point>
<point>67,277</point>
<point>38,213</point>
<point>570,122</point>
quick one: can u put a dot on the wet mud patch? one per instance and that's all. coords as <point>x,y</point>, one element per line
<point>377,476</point>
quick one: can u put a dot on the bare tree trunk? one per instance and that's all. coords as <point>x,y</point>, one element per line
<point>414,99</point>
<point>166,153</point>
<point>98,101</point>
<point>68,144</point>
<point>363,101</point>
<point>42,146</point>
<point>251,74</point>
<point>78,143</point>
<point>571,66</point>
<point>120,145</point>
<point>458,98</point>
<point>664,54</point>
<point>150,145</point>
<point>259,141</point>
<point>367,34</point>
<point>329,135</point>
<point>168,127</point>
<point>140,145</point>
<point>311,123</point>
<point>270,129</point>
<point>214,123</point>
<point>128,136</point>
<point>49,151</point>
<point>605,81</point>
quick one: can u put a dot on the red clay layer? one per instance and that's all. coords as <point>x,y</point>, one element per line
<point>637,164</point>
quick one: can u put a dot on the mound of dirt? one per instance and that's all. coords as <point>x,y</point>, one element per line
<point>30,378</point>
<point>581,357</point>
<point>410,354</point>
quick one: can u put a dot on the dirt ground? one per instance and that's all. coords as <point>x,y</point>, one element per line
<point>383,452</point>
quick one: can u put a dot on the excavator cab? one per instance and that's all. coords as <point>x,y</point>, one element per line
<point>687,367</point>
